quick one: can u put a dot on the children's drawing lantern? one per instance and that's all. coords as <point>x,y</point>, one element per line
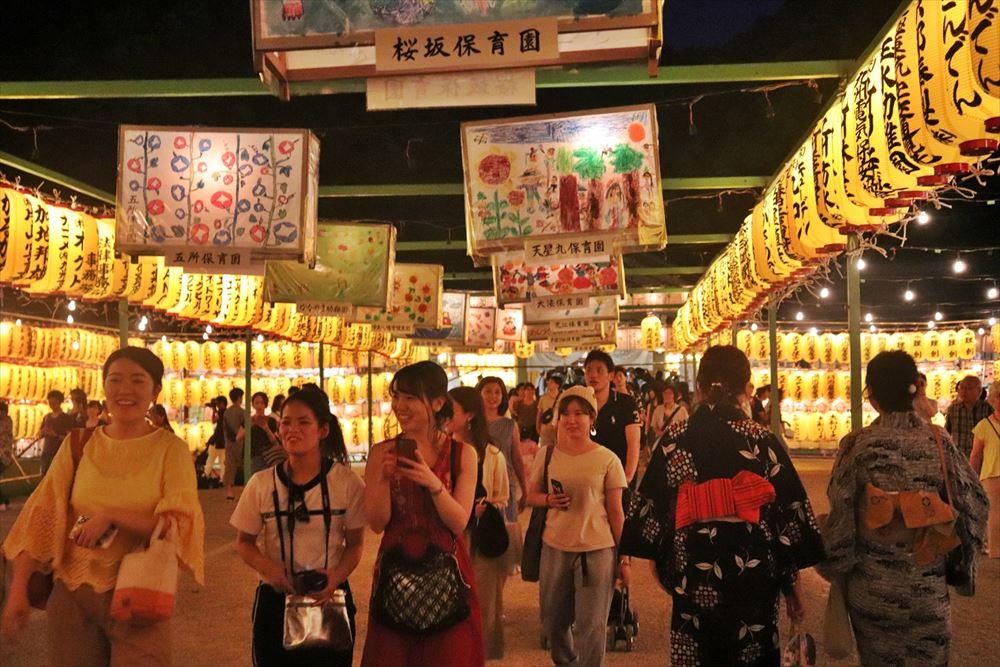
<point>652,333</point>
<point>217,189</point>
<point>415,300</point>
<point>533,182</point>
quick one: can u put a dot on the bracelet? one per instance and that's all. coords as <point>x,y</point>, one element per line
<point>439,491</point>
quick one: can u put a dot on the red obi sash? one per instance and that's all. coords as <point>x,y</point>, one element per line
<point>742,497</point>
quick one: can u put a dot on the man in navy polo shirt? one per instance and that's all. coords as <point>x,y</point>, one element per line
<point>618,425</point>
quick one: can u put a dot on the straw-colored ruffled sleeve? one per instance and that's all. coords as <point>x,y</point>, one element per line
<point>179,502</point>
<point>42,526</point>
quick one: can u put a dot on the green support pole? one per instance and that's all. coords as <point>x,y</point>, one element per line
<point>854,327</point>
<point>247,407</point>
<point>321,362</point>
<point>521,369</point>
<point>772,337</point>
<point>122,322</point>
<point>371,426</point>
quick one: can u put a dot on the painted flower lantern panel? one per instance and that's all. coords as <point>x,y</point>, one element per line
<point>354,262</point>
<point>517,280</point>
<point>480,326</point>
<point>452,320</point>
<point>540,177</point>
<point>222,189</point>
<point>415,299</point>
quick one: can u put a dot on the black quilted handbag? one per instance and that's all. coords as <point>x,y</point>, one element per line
<point>644,527</point>
<point>424,595</point>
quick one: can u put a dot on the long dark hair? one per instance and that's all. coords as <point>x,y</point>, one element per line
<point>472,403</point>
<point>333,446</point>
<point>427,381</point>
<point>723,374</point>
<point>505,401</point>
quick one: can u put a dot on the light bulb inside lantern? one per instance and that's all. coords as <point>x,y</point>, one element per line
<point>753,326</point>
<point>69,319</point>
<point>923,218</point>
<point>799,316</point>
<point>992,293</point>
<point>938,316</point>
<point>75,345</point>
<point>869,317</point>
<point>862,263</point>
<point>71,305</point>
<point>908,295</point>
<point>959,266</point>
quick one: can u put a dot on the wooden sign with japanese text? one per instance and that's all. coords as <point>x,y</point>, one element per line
<point>452,89</point>
<point>455,47</point>
<point>212,260</point>
<point>567,307</point>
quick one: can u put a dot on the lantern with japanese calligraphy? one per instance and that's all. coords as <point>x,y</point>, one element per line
<point>652,333</point>
<point>524,350</point>
<point>932,347</point>
<point>966,344</point>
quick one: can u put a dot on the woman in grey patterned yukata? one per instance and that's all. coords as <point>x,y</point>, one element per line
<point>738,525</point>
<point>894,576</point>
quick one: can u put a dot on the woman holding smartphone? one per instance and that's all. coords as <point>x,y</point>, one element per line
<point>583,527</point>
<point>150,473</point>
<point>419,493</point>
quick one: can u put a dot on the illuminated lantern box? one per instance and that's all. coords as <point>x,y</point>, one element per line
<point>223,190</point>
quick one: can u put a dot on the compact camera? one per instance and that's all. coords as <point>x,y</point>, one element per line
<point>309,581</point>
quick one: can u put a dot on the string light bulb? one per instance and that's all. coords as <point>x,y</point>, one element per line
<point>992,321</point>
<point>75,345</point>
<point>992,293</point>
<point>980,331</point>
<point>813,331</point>
<point>938,316</point>
<point>71,306</point>
<point>69,319</point>
<point>923,218</point>
<point>930,324</point>
<point>208,329</point>
<point>824,293</point>
<point>862,263</point>
<point>163,338</point>
<point>869,317</point>
<point>260,338</point>
<point>753,326</point>
<point>959,266</point>
<point>799,316</point>
<point>909,295</point>
<point>872,328</point>
<point>17,322</point>
<point>204,336</point>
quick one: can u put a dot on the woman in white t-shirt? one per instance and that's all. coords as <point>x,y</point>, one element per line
<point>301,527</point>
<point>668,412</point>
<point>582,529</point>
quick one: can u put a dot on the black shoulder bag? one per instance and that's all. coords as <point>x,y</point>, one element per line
<point>426,594</point>
<point>531,556</point>
<point>489,531</point>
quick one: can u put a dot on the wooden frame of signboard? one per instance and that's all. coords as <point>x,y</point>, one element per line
<point>275,57</point>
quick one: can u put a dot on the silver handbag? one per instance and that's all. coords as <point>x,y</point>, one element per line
<point>313,624</point>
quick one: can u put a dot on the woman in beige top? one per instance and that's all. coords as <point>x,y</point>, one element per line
<point>582,530</point>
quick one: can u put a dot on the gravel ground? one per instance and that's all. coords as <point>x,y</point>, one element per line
<point>212,624</point>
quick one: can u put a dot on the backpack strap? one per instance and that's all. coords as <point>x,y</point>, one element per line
<point>78,439</point>
<point>456,457</point>
<point>549,451</point>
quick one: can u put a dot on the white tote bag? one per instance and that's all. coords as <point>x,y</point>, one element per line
<point>838,637</point>
<point>147,579</point>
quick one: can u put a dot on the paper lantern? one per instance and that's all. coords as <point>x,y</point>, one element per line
<point>652,333</point>
<point>932,347</point>
<point>524,350</point>
<point>810,351</point>
<point>966,344</point>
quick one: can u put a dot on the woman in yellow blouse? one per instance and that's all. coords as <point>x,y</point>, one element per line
<point>151,475</point>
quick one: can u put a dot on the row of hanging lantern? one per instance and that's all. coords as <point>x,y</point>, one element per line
<point>916,114</point>
<point>53,249</point>
<point>54,345</point>
<point>832,348</point>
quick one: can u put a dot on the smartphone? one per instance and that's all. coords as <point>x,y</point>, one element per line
<point>406,448</point>
<point>106,538</point>
<point>557,486</point>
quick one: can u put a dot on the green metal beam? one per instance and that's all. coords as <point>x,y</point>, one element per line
<point>51,176</point>
<point>456,189</point>
<point>576,77</point>
<point>659,290</point>
<point>460,244</point>
<point>854,328</point>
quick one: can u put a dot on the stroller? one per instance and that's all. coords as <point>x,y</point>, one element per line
<point>623,621</point>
